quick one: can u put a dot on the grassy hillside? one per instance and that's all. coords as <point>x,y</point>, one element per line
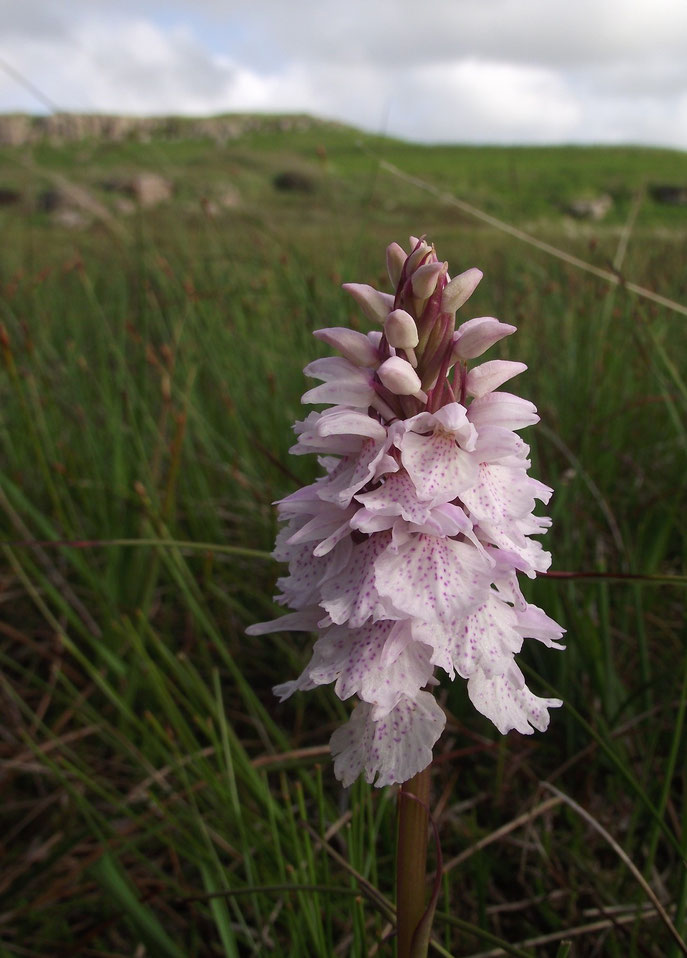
<point>157,799</point>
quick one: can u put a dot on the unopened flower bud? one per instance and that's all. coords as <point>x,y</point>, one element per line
<point>355,346</point>
<point>395,259</point>
<point>459,290</point>
<point>473,338</point>
<point>374,304</point>
<point>400,378</point>
<point>400,331</point>
<point>425,279</point>
<point>417,254</point>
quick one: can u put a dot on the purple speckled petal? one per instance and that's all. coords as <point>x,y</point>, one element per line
<point>301,587</point>
<point>431,578</point>
<point>508,706</point>
<point>355,660</point>
<point>488,639</point>
<point>502,492</point>
<point>527,555</point>
<point>439,468</point>
<point>352,596</point>
<point>496,443</point>
<point>393,748</point>
<point>451,419</point>
<point>352,473</point>
<point>534,623</point>
<point>396,497</point>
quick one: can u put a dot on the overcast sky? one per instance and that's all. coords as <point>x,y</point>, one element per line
<point>501,71</point>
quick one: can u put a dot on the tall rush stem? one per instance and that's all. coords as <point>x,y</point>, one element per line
<point>411,860</point>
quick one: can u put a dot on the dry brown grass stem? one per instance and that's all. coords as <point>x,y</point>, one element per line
<point>614,279</point>
<point>506,829</point>
<point>627,861</point>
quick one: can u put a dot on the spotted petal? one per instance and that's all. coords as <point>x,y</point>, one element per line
<point>393,748</point>
<point>301,587</point>
<point>439,468</point>
<point>503,492</point>
<point>486,638</point>
<point>509,705</point>
<point>356,659</point>
<point>396,497</point>
<point>353,472</point>
<point>352,596</point>
<point>432,578</point>
<point>534,623</point>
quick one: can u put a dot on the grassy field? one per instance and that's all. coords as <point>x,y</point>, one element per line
<point>156,799</point>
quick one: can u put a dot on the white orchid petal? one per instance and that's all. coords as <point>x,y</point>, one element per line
<point>439,468</point>
<point>476,336</point>
<point>489,376</point>
<point>507,706</point>
<point>374,304</point>
<point>460,289</point>
<point>502,409</point>
<point>391,749</point>
<point>353,597</point>
<point>432,578</point>
<point>354,346</point>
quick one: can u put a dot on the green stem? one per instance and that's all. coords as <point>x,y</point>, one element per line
<point>411,860</point>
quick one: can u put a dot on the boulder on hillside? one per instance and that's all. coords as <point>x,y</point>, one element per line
<point>150,189</point>
<point>71,219</point>
<point>294,181</point>
<point>9,196</point>
<point>590,208</point>
<point>146,188</point>
<point>669,194</point>
<point>50,200</point>
<point>66,198</point>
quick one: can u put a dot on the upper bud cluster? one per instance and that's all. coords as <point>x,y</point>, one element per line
<point>419,333</point>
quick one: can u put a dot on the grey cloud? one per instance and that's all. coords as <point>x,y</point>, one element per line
<point>29,18</point>
<point>387,32</point>
<point>543,32</point>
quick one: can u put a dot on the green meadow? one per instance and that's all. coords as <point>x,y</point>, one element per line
<point>156,798</point>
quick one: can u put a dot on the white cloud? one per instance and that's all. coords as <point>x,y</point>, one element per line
<point>480,100</point>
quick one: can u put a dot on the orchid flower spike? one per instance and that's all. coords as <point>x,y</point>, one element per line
<point>404,556</point>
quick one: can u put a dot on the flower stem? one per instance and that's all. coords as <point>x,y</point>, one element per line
<point>411,861</point>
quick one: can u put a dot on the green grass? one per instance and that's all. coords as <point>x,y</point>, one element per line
<point>156,797</point>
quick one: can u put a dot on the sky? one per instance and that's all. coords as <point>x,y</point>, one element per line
<point>475,71</point>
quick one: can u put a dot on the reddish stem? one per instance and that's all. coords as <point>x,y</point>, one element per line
<point>411,859</point>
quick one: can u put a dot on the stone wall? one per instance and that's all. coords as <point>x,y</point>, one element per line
<point>19,129</point>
